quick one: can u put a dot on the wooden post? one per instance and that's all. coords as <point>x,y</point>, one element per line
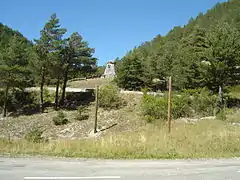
<point>96,109</point>
<point>169,103</point>
<point>220,96</point>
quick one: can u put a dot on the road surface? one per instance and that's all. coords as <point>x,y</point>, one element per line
<point>66,169</point>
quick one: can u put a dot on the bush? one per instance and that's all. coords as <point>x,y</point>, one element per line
<point>109,97</point>
<point>60,119</point>
<point>181,105</point>
<point>221,115</point>
<point>81,113</point>
<point>26,102</point>
<point>35,136</point>
<point>188,103</point>
<point>19,100</point>
<point>47,96</point>
<point>154,107</point>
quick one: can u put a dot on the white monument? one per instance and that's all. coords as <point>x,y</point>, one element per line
<point>109,70</point>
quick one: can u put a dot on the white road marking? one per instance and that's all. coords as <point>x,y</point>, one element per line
<point>72,178</point>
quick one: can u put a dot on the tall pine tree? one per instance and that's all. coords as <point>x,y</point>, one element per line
<point>48,49</point>
<point>14,70</point>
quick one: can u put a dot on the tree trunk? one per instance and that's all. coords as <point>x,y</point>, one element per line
<point>5,102</point>
<point>41,91</point>
<point>57,93</point>
<point>65,79</point>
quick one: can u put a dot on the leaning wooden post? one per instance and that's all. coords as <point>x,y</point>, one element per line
<point>169,103</point>
<point>96,109</point>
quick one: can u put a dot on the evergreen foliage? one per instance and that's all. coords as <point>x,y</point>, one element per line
<point>203,53</point>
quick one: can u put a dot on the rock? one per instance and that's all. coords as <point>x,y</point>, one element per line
<point>236,124</point>
<point>93,135</point>
<point>209,118</point>
<point>194,120</point>
<point>68,132</point>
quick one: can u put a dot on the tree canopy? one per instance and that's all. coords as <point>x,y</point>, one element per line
<point>203,53</point>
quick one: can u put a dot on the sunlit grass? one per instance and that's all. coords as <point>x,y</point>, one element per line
<point>234,117</point>
<point>89,83</point>
<point>205,139</point>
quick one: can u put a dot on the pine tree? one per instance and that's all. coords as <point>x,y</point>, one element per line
<point>77,57</point>
<point>130,73</point>
<point>13,67</point>
<point>222,56</point>
<point>48,49</point>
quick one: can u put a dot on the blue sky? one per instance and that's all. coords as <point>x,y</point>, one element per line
<point>112,27</point>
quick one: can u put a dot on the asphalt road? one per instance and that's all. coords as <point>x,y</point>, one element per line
<point>37,168</point>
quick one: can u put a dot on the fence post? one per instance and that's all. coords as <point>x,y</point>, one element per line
<point>96,108</point>
<point>169,103</point>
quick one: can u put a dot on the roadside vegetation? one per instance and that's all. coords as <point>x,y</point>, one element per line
<point>206,139</point>
<point>203,59</point>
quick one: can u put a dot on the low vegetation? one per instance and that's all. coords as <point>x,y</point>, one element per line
<point>89,83</point>
<point>204,139</point>
<point>234,91</point>
<point>60,119</point>
<point>188,103</point>
<point>202,58</point>
<point>110,97</point>
<point>82,113</point>
<point>234,116</point>
<point>35,136</point>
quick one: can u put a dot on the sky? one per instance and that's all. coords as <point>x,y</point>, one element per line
<point>112,27</point>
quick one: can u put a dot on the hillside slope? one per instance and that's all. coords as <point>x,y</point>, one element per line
<point>6,33</point>
<point>179,53</point>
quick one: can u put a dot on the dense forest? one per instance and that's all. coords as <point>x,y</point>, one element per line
<point>203,53</point>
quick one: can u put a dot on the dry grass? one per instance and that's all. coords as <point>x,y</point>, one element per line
<point>205,139</point>
<point>127,119</point>
<point>132,138</point>
<point>234,117</point>
<point>89,83</point>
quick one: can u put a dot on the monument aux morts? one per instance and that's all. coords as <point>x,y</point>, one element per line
<point>109,70</point>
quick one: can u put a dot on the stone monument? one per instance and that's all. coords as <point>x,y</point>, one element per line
<point>109,70</point>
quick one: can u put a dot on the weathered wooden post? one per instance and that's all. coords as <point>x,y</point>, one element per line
<point>169,103</point>
<point>96,108</point>
<point>220,96</point>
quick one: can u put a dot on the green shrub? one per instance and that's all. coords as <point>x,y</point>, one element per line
<point>82,113</point>
<point>234,91</point>
<point>154,107</point>
<point>181,105</point>
<point>19,100</point>
<point>47,96</point>
<point>110,98</point>
<point>60,119</point>
<point>35,136</point>
<point>22,101</point>
<point>221,115</point>
<point>203,102</point>
<point>188,103</point>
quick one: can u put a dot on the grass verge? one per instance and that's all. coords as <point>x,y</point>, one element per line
<point>206,139</point>
<point>89,83</point>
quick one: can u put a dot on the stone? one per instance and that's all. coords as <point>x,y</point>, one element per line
<point>109,70</point>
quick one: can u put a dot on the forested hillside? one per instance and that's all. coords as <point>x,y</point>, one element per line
<point>51,59</point>
<point>7,33</point>
<point>203,53</point>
